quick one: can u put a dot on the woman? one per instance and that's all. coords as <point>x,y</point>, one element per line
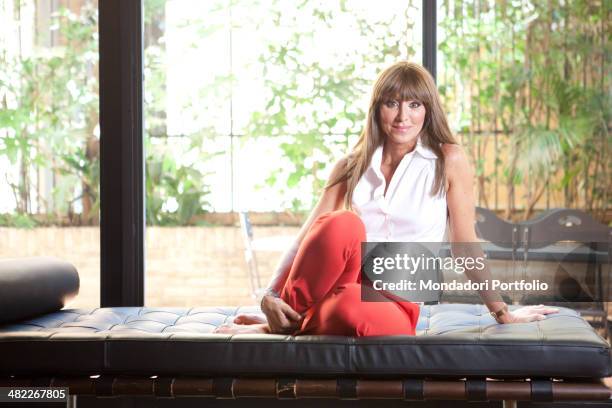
<point>405,180</point>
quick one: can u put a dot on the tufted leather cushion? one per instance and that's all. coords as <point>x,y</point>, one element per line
<point>453,340</point>
<point>33,286</point>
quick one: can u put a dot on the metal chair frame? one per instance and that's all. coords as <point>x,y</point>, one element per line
<point>549,228</point>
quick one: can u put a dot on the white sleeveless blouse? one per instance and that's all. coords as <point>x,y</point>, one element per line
<point>408,212</point>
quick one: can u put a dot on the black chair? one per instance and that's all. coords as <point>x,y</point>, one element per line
<point>502,243</point>
<point>571,236</point>
<point>495,230</point>
<point>558,235</point>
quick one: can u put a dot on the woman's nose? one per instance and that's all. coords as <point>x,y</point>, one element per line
<point>403,111</point>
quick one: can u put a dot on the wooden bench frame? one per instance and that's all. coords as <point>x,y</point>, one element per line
<point>416,389</point>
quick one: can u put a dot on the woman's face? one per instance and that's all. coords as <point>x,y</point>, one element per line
<point>401,121</point>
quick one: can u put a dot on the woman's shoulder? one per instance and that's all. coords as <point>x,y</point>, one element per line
<point>455,160</point>
<point>342,164</point>
<point>454,154</point>
<point>339,171</point>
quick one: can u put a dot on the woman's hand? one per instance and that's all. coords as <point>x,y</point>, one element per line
<point>528,314</point>
<point>281,317</point>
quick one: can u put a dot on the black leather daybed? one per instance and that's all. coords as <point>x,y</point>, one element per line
<point>459,352</point>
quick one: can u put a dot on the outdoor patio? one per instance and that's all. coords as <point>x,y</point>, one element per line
<point>186,266</point>
<point>192,266</point>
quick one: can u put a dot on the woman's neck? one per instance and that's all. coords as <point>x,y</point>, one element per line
<point>393,154</point>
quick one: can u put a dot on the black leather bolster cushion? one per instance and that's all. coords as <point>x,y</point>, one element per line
<point>34,286</point>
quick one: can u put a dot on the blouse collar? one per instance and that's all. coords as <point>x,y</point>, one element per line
<point>420,148</point>
<point>425,151</point>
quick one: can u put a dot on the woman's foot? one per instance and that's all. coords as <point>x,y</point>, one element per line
<point>232,328</point>
<point>250,319</point>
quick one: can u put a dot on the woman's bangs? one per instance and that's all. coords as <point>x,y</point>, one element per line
<point>406,88</point>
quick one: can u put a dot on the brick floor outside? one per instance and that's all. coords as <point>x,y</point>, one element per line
<point>186,266</point>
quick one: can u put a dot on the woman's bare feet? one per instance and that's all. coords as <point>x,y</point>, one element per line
<point>232,328</point>
<point>250,319</point>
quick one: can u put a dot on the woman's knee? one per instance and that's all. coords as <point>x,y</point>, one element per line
<point>345,222</point>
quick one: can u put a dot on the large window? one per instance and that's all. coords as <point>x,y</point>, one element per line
<point>527,86</point>
<point>49,135</point>
<point>248,105</point>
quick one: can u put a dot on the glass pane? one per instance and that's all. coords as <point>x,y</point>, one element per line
<point>527,87</point>
<point>49,136</point>
<point>259,99</point>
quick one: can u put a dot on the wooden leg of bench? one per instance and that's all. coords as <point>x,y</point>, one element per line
<point>509,404</point>
<point>72,401</point>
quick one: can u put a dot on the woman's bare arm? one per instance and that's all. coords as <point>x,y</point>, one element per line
<point>331,200</point>
<point>459,194</point>
<point>462,209</point>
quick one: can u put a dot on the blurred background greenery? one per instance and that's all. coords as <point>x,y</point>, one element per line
<point>249,103</point>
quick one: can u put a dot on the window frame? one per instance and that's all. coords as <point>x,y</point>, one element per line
<point>121,153</point>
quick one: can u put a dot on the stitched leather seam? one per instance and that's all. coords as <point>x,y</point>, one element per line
<point>540,333</point>
<point>171,325</point>
<point>480,329</point>
<point>350,357</point>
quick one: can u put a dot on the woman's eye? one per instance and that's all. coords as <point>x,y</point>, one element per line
<point>392,104</point>
<point>415,105</point>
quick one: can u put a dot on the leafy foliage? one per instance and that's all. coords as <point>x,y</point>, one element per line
<point>49,118</point>
<point>529,82</point>
<point>535,76</point>
<point>315,101</point>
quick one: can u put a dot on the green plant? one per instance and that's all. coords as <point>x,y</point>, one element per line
<point>49,117</point>
<point>176,190</point>
<point>176,183</point>
<point>313,107</point>
<point>535,76</point>
<point>24,221</point>
<point>49,120</point>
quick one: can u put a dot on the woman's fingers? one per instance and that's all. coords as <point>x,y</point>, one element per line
<point>285,324</point>
<point>290,313</point>
<point>282,323</point>
<point>543,309</point>
<point>531,313</point>
<point>532,317</point>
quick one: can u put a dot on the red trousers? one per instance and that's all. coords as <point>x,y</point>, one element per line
<point>324,284</point>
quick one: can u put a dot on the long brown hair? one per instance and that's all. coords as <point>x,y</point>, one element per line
<point>407,81</point>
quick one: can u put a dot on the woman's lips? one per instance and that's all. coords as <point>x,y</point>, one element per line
<point>402,128</point>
